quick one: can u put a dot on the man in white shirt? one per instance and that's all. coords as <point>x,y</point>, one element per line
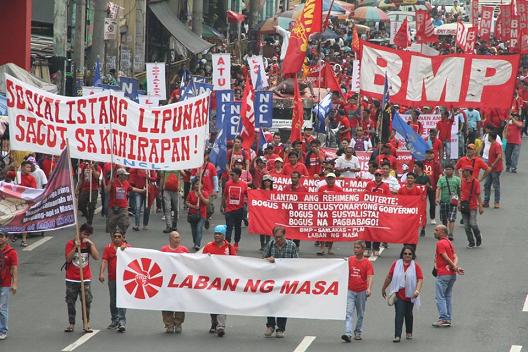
<point>285,40</point>
<point>348,164</point>
<point>487,145</point>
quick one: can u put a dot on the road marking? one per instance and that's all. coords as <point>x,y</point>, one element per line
<point>525,306</point>
<point>515,348</point>
<point>373,258</point>
<point>38,243</point>
<point>305,343</point>
<point>80,341</point>
<point>98,210</point>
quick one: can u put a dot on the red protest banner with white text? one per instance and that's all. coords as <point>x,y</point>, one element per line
<point>515,33</point>
<point>486,21</point>
<point>522,12</point>
<point>424,28</point>
<point>336,216</point>
<point>504,21</point>
<point>456,80</point>
<point>228,284</point>
<point>312,184</point>
<point>474,12</point>
<point>471,38</point>
<point>104,127</point>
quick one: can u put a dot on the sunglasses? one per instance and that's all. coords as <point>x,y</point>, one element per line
<point>407,253</point>
<point>378,175</point>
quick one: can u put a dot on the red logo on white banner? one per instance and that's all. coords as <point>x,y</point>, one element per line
<point>142,278</point>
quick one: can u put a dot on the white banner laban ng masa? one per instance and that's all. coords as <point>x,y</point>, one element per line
<point>221,284</point>
<point>105,127</point>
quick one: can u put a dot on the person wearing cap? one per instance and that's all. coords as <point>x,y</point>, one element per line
<point>278,247</point>
<point>258,171</point>
<point>474,161</point>
<point>513,133</point>
<point>328,187</point>
<point>293,164</point>
<point>173,320</point>
<point>233,201</point>
<point>470,194</point>
<point>8,280</point>
<point>118,191</point>
<point>219,246</point>
<point>89,173</point>
<point>278,169</point>
<point>448,196</point>
<point>348,164</point>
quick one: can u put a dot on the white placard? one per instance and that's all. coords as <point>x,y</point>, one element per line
<point>110,29</point>
<point>255,62</point>
<point>356,83</point>
<point>223,284</point>
<point>156,86</point>
<point>221,71</point>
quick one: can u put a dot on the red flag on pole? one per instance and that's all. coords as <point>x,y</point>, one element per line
<point>247,115</point>
<point>298,113</point>
<point>471,38</point>
<point>461,36</point>
<point>424,28</point>
<point>486,20</point>
<point>402,38</point>
<point>329,78</point>
<point>308,23</point>
<point>355,40</point>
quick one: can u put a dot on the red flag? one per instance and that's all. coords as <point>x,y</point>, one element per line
<point>308,23</point>
<point>522,11</point>
<point>424,28</point>
<point>474,12</point>
<point>298,113</point>
<point>515,32</point>
<point>523,42</point>
<point>471,38</point>
<point>485,23</point>
<point>247,114</point>
<point>505,18</point>
<point>329,78</point>
<point>461,35</point>
<point>355,40</point>
<point>402,38</point>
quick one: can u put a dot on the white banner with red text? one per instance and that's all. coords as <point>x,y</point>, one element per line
<point>296,288</point>
<point>336,216</point>
<point>461,80</point>
<point>104,127</point>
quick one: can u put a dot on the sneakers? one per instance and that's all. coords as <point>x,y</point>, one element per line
<point>279,334</point>
<point>212,330</point>
<point>470,245</point>
<point>513,170</point>
<point>269,331</point>
<point>121,328</point>
<point>3,336</point>
<point>442,324</point>
<point>178,330</point>
<point>357,336</point>
<point>112,326</point>
<point>497,206</point>
<point>169,330</point>
<point>433,222</point>
<point>346,338</point>
<point>220,332</point>
<point>167,230</point>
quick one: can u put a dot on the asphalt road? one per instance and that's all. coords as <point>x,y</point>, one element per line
<point>488,300</point>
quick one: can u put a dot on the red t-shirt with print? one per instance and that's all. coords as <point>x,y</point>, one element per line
<point>119,194</point>
<point>234,195</point>
<point>358,272</point>
<point>8,259</point>
<point>180,249</point>
<point>73,272</point>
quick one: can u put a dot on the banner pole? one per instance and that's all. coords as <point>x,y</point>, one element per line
<point>78,240</point>
<point>90,196</point>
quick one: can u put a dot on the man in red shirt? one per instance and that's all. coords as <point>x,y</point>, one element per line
<point>295,185</point>
<point>411,189</point>
<point>8,280</point>
<point>385,155</point>
<point>328,187</point>
<point>209,178</point>
<point>433,170</point>
<point>435,144</point>
<point>444,131</point>
<point>414,123</point>
<point>234,198</point>
<point>74,264</point>
<point>514,126</point>
<point>345,129</point>
<point>294,165</point>
<point>118,191</point>
<point>474,161</point>
<point>88,189</point>
<point>379,187</point>
<point>173,320</point>
<point>26,179</point>
<point>470,194</point>
<point>109,260</point>
<point>446,267</point>
<point>141,179</point>
<point>360,276</point>
<point>496,165</point>
<point>219,247</point>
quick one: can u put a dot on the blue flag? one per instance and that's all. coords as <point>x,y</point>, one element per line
<point>321,110</point>
<point>415,142</point>
<point>262,139</point>
<point>218,155</point>
<point>97,74</point>
<point>189,91</point>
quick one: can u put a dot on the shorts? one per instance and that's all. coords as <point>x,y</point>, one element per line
<point>117,220</point>
<point>448,212</point>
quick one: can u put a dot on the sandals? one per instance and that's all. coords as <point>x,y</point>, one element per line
<point>87,329</point>
<point>24,244</point>
<point>321,253</point>
<point>69,328</point>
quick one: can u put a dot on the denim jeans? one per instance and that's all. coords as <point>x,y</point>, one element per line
<point>471,227</point>
<point>404,311</point>
<point>279,322</point>
<point>141,202</point>
<point>512,155</point>
<point>171,203</point>
<point>4,308</point>
<point>444,288</point>
<point>118,315</point>
<point>356,302</point>
<point>492,178</point>
<point>234,220</point>
<point>197,232</point>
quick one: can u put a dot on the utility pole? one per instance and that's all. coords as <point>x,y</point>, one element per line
<point>78,47</point>
<point>97,48</point>
<point>253,21</point>
<point>60,27</point>
<point>197,17</point>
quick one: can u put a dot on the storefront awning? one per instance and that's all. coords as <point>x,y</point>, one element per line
<point>179,30</point>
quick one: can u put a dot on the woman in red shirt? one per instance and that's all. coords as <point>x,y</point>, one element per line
<point>197,202</point>
<point>406,278</point>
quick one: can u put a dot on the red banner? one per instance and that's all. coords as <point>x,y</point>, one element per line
<point>447,80</point>
<point>424,28</point>
<point>312,184</point>
<point>308,23</point>
<point>474,13</point>
<point>504,21</point>
<point>336,216</point>
<point>522,12</point>
<point>485,23</point>
<point>471,38</point>
<point>461,34</point>
<point>523,41</point>
<point>515,33</point>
